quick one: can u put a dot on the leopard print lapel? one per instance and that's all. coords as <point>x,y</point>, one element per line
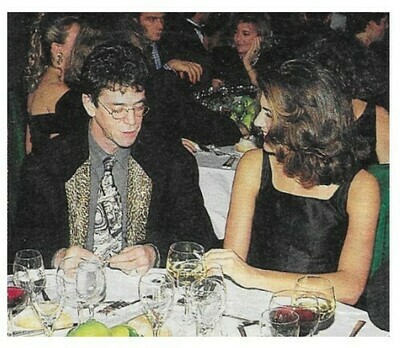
<point>139,187</point>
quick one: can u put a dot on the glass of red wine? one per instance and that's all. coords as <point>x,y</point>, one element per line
<point>304,303</point>
<point>17,297</point>
<point>279,322</point>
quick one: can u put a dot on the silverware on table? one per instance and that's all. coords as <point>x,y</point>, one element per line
<point>113,305</point>
<point>229,163</point>
<point>357,327</point>
<point>244,322</point>
<point>45,296</point>
<point>242,331</point>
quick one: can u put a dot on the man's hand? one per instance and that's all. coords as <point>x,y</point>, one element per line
<point>183,67</point>
<point>138,257</point>
<point>74,251</point>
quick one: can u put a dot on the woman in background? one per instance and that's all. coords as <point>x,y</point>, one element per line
<point>235,65</point>
<point>52,40</point>
<point>302,205</point>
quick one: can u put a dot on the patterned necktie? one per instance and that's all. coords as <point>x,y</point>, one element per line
<point>108,218</point>
<point>155,56</point>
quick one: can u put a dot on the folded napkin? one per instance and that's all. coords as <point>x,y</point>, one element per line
<point>28,319</point>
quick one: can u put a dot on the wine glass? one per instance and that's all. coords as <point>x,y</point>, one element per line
<point>35,279</point>
<point>280,322</point>
<point>182,251</point>
<point>17,297</point>
<point>303,303</point>
<point>188,272</point>
<point>208,297</point>
<point>156,293</point>
<point>323,290</point>
<point>49,303</point>
<point>90,284</point>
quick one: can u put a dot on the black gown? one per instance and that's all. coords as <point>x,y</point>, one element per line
<point>41,127</point>
<point>297,234</point>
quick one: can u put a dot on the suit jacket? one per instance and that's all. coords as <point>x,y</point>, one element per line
<point>176,209</point>
<point>181,41</point>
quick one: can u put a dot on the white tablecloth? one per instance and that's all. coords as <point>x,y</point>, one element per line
<point>216,185</point>
<point>241,302</point>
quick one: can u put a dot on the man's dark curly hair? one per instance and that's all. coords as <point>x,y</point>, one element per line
<point>313,128</point>
<point>113,66</point>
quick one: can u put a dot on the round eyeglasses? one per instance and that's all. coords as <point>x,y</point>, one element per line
<point>120,113</point>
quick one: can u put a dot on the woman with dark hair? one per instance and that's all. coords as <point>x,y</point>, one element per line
<point>52,40</point>
<point>301,205</point>
<point>364,81</point>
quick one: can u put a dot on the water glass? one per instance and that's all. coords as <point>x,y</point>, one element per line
<point>90,285</point>
<point>156,293</point>
<point>208,296</point>
<point>32,260</point>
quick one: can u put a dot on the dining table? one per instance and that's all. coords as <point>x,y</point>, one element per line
<point>243,305</point>
<point>215,181</point>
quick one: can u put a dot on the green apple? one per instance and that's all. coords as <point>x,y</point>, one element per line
<point>123,331</point>
<point>91,328</point>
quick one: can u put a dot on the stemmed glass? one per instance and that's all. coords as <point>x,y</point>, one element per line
<point>90,284</point>
<point>303,303</point>
<point>279,322</point>
<point>208,297</point>
<point>323,290</point>
<point>179,254</point>
<point>50,303</point>
<point>188,272</point>
<point>35,279</point>
<point>156,293</point>
<point>17,297</point>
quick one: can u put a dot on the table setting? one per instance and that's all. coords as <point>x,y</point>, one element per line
<point>189,298</point>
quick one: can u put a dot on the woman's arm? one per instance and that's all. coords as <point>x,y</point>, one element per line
<point>355,259</point>
<point>245,189</point>
<point>382,134</point>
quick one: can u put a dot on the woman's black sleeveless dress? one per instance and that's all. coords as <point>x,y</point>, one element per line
<point>297,234</point>
<point>41,127</point>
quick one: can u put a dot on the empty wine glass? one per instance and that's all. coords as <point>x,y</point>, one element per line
<point>279,322</point>
<point>90,285</point>
<point>323,290</point>
<point>49,303</point>
<point>208,297</point>
<point>32,260</point>
<point>156,293</point>
<point>67,270</point>
<point>303,303</point>
<point>17,297</point>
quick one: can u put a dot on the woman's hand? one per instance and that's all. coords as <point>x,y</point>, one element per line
<point>252,53</point>
<point>232,265</point>
<point>216,84</point>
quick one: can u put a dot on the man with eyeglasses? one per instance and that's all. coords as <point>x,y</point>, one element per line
<point>94,195</point>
